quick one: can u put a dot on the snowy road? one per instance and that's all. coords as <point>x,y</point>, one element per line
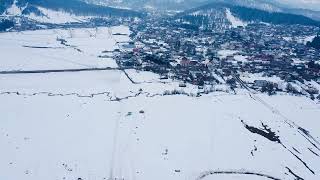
<point>57,70</point>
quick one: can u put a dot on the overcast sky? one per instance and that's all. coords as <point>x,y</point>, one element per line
<point>306,4</point>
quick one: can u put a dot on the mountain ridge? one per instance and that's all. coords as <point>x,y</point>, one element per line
<point>247,14</point>
<point>182,5</point>
<point>71,6</point>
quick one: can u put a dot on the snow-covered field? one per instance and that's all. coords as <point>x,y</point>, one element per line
<point>31,50</point>
<point>102,125</point>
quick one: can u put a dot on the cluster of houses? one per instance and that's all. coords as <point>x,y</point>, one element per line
<point>215,57</point>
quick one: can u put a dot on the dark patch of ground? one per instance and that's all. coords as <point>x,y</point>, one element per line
<point>265,132</point>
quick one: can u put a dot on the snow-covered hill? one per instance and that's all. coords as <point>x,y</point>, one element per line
<point>57,12</point>
<point>224,15</point>
<point>235,22</point>
<point>41,14</point>
<point>265,5</point>
<point>180,5</point>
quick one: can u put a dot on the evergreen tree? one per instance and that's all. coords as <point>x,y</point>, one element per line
<point>315,43</point>
<point>6,24</point>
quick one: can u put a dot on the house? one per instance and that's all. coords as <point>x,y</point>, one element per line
<point>182,85</point>
<point>185,62</point>
<point>265,83</point>
<point>261,83</point>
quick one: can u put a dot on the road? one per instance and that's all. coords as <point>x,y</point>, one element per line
<point>57,70</point>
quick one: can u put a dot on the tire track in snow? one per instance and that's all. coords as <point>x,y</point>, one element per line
<point>248,173</point>
<point>114,148</point>
<point>119,147</point>
<point>294,174</point>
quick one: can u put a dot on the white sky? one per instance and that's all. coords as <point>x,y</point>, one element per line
<point>306,4</point>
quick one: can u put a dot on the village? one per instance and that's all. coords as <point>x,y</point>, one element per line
<point>201,57</point>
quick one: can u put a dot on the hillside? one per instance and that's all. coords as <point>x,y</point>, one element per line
<point>43,14</point>
<point>225,14</point>
<point>181,5</point>
<point>45,8</point>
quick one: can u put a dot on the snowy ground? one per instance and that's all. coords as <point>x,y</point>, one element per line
<point>102,125</point>
<point>30,50</point>
<point>225,53</point>
<point>235,22</point>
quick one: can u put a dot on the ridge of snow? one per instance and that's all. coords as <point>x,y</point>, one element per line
<point>235,22</point>
<point>14,9</point>
<point>59,17</point>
